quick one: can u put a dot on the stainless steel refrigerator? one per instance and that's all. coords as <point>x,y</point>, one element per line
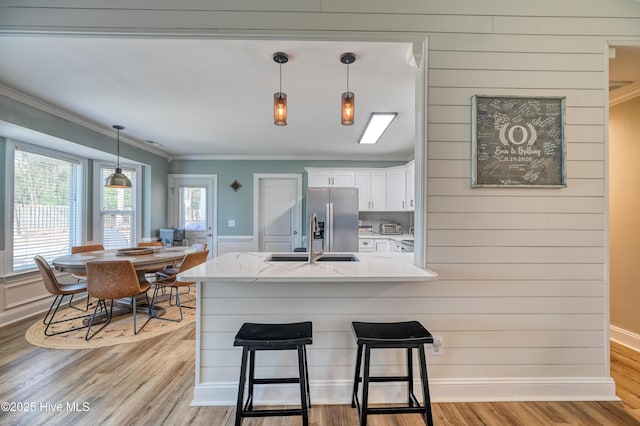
<point>337,211</point>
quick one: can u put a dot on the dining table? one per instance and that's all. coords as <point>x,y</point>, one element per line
<point>145,260</point>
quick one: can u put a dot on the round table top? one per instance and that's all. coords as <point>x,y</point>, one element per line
<point>142,257</point>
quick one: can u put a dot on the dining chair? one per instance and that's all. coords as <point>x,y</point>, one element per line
<point>190,260</point>
<point>110,280</point>
<point>150,244</point>
<point>84,249</point>
<point>169,271</point>
<point>59,290</point>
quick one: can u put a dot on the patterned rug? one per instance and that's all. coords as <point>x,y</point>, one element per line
<point>119,331</point>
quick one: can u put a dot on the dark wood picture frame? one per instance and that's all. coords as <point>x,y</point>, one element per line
<point>518,141</point>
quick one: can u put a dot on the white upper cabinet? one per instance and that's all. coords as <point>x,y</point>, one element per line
<point>330,178</point>
<point>372,189</point>
<point>396,188</point>
<point>411,186</point>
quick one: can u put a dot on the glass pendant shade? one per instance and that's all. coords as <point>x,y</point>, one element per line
<point>280,109</point>
<point>117,179</point>
<point>348,108</point>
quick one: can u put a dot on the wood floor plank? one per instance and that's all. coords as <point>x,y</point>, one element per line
<point>151,383</point>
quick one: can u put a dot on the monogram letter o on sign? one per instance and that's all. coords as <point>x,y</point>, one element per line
<point>518,141</point>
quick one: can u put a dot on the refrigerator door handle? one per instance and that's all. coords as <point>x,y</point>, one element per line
<point>329,225</point>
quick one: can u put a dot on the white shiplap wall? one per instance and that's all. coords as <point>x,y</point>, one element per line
<point>521,303</point>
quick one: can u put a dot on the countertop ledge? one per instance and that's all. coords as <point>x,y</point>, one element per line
<point>251,267</point>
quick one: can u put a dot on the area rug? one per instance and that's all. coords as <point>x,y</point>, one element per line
<point>119,331</point>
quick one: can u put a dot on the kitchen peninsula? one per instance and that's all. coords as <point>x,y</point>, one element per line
<point>245,287</point>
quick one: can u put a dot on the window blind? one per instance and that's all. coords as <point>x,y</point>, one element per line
<point>45,207</point>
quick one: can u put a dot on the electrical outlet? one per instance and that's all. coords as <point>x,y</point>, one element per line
<point>437,348</point>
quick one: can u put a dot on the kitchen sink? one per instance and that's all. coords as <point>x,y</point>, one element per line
<point>299,257</point>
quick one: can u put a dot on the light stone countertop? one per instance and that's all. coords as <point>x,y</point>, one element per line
<point>394,237</point>
<point>252,267</point>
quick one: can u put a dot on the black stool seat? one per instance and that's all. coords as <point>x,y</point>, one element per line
<point>377,335</point>
<point>260,337</point>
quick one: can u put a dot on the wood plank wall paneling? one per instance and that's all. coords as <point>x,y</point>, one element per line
<point>529,261</point>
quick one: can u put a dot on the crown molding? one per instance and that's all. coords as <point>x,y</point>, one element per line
<point>73,118</point>
<point>632,94</point>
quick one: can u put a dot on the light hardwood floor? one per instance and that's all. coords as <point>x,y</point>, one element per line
<point>151,383</point>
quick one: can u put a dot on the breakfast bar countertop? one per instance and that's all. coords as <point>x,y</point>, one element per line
<point>253,267</point>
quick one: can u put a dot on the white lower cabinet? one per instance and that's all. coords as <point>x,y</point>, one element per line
<point>366,245</point>
<point>382,246</point>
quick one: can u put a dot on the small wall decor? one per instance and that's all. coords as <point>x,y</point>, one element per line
<point>235,185</point>
<point>518,141</point>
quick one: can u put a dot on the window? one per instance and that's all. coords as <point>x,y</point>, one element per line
<point>117,211</point>
<point>46,214</point>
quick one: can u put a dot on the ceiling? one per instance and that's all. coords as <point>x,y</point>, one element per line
<point>212,98</point>
<point>205,98</point>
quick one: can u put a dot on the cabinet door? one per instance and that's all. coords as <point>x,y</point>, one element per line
<point>411,186</point>
<point>378,190</point>
<point>343,178</point>
<point>319,178</point>
<point>396,189</point>
<point>382,246</point>
<point>363,183</point>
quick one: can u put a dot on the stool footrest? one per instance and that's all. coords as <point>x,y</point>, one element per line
<point>275,381</point>
<point>273,413</point>
<point>389,379</point>
<point>395,410</point>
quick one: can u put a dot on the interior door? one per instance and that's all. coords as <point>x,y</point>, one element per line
<point>193,200</point>
<point>278,213</point>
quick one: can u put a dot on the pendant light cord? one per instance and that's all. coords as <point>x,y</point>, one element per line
<point>347,77</point>
<point>118,148</point>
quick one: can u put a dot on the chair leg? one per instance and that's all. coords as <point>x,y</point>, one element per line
<point>302,374</point>
<point>365,387</point>
<point>428,417</point>
<point>306,375</point>
<point>243,376</point>
<point>135,312</point>
<point>102,303</point>
<point>410,376</point>
<point>153,298</point>
<point>252,377</point>
<point>356,377</point>
<point>48,319</point>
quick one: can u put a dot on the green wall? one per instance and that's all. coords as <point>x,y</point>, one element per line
<point>239,205</point>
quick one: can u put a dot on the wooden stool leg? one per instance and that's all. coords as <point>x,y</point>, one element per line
<point>243,376</point>
<point>428,418</point>
<point>356,377</point>
<point>303,385</point>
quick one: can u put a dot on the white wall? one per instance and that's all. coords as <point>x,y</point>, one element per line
<point>523,295</point>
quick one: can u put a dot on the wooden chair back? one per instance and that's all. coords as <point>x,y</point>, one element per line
<point>86,248</point>
<point>113,279</point>
<point>150,244</point>
<point>194,259</point>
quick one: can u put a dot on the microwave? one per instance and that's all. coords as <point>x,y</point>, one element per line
<point>390,229</point>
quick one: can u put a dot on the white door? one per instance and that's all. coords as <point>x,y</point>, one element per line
<point>193,201</point>
<point>278,212</point>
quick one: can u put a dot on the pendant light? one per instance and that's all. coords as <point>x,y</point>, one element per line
<point>280,98</point>
<point>348,103</point>
<point>117,179</point>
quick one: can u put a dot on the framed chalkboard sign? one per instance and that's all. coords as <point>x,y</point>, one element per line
<point>518,141</point>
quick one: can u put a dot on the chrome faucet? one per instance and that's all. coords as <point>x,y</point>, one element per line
<point>313,227</point>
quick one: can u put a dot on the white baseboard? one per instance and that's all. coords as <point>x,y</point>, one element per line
<point>441,390</point>
<point>624,337</point>
<point>17,314</point>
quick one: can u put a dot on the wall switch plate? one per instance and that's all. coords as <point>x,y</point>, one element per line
<point>437,348</point>
<point>231,223</point>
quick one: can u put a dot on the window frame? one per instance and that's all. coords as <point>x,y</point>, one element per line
<point>97,197</point>
<point>11,146</point>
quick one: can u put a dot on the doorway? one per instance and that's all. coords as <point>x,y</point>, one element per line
<point>277,207</point>
<point>193,202</point>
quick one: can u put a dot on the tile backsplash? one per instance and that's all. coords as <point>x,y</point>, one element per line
<point>405,219</point>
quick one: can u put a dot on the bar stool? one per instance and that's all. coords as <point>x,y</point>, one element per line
<point>268,337</point>
<point>408,334</point>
